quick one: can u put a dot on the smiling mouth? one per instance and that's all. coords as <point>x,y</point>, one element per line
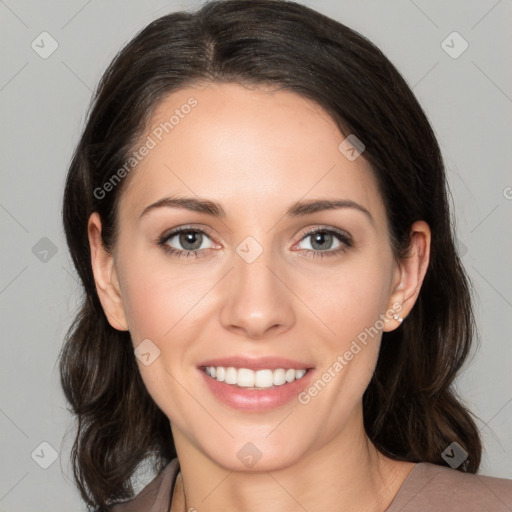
<point>254,379</point>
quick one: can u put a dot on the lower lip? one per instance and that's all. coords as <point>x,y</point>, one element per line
<point>254,399</point>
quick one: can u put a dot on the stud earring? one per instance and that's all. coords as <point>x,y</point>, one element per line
<point>398,318</point>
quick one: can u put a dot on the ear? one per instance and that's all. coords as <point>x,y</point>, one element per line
<point>410,273</point>
<point>105,277</point>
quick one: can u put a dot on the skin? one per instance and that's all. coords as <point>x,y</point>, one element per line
<point>257,152</point>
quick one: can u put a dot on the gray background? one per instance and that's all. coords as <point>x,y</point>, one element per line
<point>43,104</point>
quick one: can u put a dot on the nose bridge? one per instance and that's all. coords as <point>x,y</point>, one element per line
<point>256,300</point>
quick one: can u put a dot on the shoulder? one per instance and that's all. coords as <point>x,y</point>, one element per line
<point>430,487</point>
<point>156,496</point>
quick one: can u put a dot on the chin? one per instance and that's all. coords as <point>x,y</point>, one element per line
<point>257,454</point>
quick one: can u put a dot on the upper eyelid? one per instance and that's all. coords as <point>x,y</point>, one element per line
<point>176,231</point>
<point>336,231</point>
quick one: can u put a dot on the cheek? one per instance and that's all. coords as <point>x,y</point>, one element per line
<point>150,306</point>
<point>351,299</point>
<point>160,301</point>
<point>350,307</point>
<point>158,294</point>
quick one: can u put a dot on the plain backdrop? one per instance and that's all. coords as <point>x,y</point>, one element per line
<point>43,102</point>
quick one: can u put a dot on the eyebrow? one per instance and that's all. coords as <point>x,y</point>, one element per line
<point>298,209</point>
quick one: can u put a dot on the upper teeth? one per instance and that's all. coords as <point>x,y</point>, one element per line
<point>246,378</point>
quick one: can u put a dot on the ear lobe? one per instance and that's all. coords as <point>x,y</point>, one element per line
<point>105,276</point>
<point>411,269</point>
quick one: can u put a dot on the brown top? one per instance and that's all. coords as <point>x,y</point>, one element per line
<point>427,488</point>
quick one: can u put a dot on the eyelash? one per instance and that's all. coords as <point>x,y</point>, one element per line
<point>342,237</point>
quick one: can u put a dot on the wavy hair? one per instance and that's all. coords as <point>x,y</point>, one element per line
<point>411,411</point>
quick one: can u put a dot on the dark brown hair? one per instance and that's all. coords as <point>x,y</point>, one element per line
<point>411,411</point>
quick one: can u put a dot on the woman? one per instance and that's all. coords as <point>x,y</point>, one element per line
<point>274,309</point>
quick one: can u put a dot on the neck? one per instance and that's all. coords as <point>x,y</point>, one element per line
<point>348,474</point>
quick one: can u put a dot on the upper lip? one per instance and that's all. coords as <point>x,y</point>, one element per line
<point>256,363</point>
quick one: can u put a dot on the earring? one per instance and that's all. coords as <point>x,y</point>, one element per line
<point>398,318</point>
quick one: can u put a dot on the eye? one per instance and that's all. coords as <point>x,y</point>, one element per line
<point>185,241</point>
<point>319,241</point>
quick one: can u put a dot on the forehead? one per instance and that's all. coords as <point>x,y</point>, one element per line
<point>254,149</point>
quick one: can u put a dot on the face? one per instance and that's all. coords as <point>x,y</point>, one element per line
<point>258,290</point>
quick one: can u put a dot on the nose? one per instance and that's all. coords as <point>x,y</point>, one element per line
<point>257,303</point>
